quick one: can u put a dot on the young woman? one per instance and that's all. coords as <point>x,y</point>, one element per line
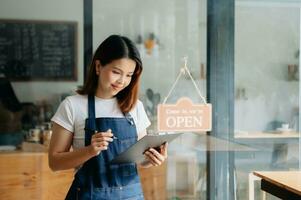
<point>103,120</point>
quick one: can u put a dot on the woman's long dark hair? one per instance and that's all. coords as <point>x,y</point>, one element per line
<point>113,48</point>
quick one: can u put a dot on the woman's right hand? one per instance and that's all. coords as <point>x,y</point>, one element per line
<point>100,142</point>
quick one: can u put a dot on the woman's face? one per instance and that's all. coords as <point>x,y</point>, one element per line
<point>114,77</point>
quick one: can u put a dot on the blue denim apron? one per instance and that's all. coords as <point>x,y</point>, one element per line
<point>97,179</point>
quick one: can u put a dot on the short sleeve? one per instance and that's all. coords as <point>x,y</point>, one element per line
<point>142,119</point>
<point>64,115</point>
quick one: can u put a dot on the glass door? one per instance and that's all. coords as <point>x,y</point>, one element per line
<point>165,32</point>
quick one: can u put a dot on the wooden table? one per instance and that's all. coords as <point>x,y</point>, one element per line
<point>282,184</point>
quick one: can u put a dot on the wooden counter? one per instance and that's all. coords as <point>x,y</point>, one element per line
<point>26,175</point>
<point>153,182</point>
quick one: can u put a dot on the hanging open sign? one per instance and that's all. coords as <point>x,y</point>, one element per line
<point>184,116</point>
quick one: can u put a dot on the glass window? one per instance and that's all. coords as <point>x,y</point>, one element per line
<point>267,43</point>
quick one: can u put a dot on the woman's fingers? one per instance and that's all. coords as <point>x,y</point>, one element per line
<point>157,158</point>
<point>163,149</point>
<point>104,141</point>
<point>96,148</point>
<point>155,161</point>
<point>154,157</point>
<point>156,154</point>
<point>103,134</point>
<point>100,141</point>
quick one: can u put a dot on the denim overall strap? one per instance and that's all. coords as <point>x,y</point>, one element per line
<point>91,112</point>
<point>90,126</point>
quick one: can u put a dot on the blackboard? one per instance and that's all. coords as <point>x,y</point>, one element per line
<point>38,50</point>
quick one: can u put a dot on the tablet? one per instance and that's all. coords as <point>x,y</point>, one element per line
<point>135,152</point>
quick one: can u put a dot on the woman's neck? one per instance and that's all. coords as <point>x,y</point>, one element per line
<point>102,95</point>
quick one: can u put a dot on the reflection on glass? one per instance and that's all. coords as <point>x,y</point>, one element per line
<point>165,32</point>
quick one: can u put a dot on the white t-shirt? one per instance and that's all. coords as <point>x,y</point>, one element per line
<point>73,112</point>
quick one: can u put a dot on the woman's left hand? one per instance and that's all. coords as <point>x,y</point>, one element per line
<point>155,157</point>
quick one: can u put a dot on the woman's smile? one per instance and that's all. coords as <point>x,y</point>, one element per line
<point>115,87</point>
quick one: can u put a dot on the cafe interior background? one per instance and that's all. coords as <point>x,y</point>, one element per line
<point>260,86</point>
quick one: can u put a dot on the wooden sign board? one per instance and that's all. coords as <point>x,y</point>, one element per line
<point>184,116</point>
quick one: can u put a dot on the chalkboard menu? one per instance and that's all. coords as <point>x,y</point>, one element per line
<point>38,50</point>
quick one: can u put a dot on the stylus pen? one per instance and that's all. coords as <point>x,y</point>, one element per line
<point>114,137</point>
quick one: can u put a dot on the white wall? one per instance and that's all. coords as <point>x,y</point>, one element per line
<point>61,10</point>
<point>266,41</point>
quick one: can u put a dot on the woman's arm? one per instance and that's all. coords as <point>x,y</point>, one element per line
<point>60,156</point>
